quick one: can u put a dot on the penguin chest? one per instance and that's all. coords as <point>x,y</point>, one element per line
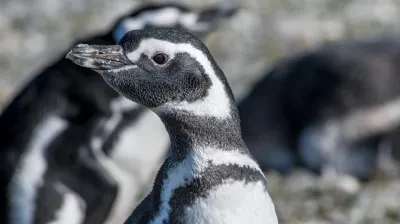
<point>233,202</point>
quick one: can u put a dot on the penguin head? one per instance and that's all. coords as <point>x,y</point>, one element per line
<point>164,69</point>
<point>197,22</point>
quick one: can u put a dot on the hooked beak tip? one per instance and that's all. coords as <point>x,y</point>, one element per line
<point>80,48</point>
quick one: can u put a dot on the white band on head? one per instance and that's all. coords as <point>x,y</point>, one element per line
<point>166,17</point>
<point>215,104</point>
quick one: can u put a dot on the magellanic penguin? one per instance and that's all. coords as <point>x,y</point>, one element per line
<point>209,175</point>
<point>326,108</point>
<point>60,130</point>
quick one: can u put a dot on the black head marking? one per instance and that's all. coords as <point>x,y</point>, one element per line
<point>189,74</point>
<point>186,70</point>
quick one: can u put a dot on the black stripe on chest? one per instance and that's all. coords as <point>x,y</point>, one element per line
<point>211,178</point>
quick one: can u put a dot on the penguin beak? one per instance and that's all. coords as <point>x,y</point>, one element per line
<point>98,57</point>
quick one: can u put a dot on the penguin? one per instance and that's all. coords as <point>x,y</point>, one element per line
<point>209,176</point>
<point>326,108</point>
<point>53,168</point>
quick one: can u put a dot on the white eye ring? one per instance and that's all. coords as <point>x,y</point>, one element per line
<point>160,58</point>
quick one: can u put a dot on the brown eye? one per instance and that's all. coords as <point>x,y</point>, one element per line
<point>160,58</point>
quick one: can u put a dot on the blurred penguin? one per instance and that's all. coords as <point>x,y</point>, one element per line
<point>327,108</point>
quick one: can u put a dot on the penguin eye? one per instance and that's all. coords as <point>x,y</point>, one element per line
<point>160,58</point>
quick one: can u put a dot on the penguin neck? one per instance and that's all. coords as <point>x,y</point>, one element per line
<point>205,152</point>
<point>188,131</point>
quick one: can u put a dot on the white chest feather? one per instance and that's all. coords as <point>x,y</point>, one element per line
<point>133,158</point>
<point>138,152</point>
<point>28,177</point>
<point>72,210</point>
<point>233,202</point>
<point>140,147</point>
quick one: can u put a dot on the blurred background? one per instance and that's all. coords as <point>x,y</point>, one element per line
<point>33,34</point>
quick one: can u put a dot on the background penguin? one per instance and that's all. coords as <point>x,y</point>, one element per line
<point>209,175</point>
<point>333,104</point>
<point>50,131</point>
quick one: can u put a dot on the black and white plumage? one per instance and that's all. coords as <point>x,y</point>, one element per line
<point>63,134</point>
<point>209,176</point>
<point>328,107</point>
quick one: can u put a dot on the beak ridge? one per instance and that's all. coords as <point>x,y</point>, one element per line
<point>98,57</point>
